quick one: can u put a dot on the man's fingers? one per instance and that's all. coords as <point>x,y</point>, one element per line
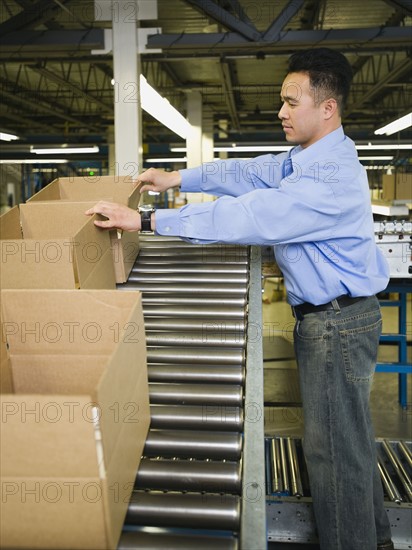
<point>105,224</point>
<point>146,188</point>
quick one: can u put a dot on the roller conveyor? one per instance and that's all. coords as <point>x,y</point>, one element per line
<point>288,497</point>
<point>197,456</point>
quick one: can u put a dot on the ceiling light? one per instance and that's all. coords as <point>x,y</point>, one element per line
<point>384,147</point>
<point>168,159</point>
<point>64,150</point>
<point>33,161</point>
<point>396,126</point>
<point>384,157</point>
<point>160,109</point>
<point>240,149</point>
<point>8,137</point>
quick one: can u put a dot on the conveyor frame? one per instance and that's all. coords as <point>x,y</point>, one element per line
<point>253,517</point>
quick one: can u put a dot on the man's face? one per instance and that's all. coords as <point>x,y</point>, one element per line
<point>302,120</point>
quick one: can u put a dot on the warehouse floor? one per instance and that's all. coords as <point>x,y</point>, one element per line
<point>283,415</point>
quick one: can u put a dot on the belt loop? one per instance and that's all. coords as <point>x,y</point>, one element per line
<point>335,306</point>
<point>297,314</point>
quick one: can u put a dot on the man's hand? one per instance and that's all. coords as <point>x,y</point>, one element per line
<point>118,216</point>
<point>159,180</point>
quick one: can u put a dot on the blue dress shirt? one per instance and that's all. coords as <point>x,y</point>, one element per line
<point>318,218</point>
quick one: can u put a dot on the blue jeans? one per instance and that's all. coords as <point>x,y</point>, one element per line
<point>336,352</point>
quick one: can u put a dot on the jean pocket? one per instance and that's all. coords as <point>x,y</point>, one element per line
<point>311,327</point>
<point>359,350</point>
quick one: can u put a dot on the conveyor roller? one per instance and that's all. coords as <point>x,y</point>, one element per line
<point>220,374</point>
<point>189,475</point>
<point>195,511</point>
<point>193,444</point>
<point>191,417</point>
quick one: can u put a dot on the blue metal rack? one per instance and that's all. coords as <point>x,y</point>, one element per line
<point>402,367</point>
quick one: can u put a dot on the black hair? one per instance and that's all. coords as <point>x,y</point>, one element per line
<point>329,72</point>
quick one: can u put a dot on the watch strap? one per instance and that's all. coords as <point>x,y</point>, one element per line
<point>146,219</point>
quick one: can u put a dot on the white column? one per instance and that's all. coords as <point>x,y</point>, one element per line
<point>127,110</point>
<point>199,143</point>
<point>207,144</point>
<point>194,139</point>
<point>223,125</point>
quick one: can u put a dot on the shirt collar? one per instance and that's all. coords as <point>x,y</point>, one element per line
<point>328,141</point>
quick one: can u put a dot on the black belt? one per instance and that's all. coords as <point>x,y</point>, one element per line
<point>343,301</point>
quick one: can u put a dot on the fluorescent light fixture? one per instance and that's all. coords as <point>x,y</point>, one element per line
<point>33,161</point>
<point>8,137</point>
<point>241,149</point>
<point>384,147</point>
<point>396,126</point>
<point>160,109</point>
<point>168,159</point>
<point>252,149</point>
<point>384,157</point>
<point>64,150</point>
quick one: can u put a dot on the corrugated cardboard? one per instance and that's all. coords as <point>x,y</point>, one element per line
<point>120,189</point>
<point>67,472</point>
<point>54,245</point>
<point>397,186</point>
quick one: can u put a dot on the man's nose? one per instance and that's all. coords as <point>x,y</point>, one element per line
<point>282,112</point>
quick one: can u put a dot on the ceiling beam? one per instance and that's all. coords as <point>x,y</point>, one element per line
<point>237,9</point>
<point>38,13</point>
<point>273,31</point>
<point>86,39</point>
<point>229,94</point>
<point>226,19</point>
<point>356,39</point>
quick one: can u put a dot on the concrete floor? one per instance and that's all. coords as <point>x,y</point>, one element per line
<point>283,414</point>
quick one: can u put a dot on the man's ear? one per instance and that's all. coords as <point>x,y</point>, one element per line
<point>330,107</point>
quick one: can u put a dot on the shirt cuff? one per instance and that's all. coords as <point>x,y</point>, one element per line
<point>167,222</point>
<point>191,178</point>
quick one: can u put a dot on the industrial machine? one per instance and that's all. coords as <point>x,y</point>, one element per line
<point>394,238</point>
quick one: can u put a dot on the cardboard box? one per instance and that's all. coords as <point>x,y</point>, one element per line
<point>54,245</point>
<point>121,189</point>
<point>74,418</point>
<point>397,186</point>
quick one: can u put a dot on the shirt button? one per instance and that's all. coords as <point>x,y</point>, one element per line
<point>167,228</point>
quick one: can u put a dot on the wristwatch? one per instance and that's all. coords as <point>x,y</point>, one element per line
<point>146,211</point>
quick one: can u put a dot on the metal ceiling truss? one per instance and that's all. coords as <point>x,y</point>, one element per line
<point>52,84</point>
<point>370,83</point>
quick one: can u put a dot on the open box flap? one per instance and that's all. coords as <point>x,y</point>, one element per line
<point>10,227</point>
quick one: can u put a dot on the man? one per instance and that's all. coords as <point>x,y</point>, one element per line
<point>313,206</point>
